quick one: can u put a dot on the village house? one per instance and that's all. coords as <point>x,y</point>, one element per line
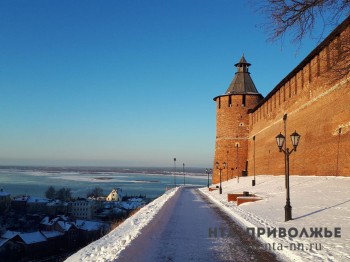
<point>83,208</point>
<point>36,205</point>
<point>115,195</point>
<point>57,207</point>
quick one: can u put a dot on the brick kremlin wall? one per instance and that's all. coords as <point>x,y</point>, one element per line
<point>316,99</point>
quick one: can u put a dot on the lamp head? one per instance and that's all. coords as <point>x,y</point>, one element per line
<point>295,137</point>
<point>280,141</point>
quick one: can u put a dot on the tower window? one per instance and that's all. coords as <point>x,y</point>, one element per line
<point>243,100</point>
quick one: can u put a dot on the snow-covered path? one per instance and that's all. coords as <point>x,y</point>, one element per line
<point>190,228</point>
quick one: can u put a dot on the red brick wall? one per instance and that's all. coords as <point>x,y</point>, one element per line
<point>317,102</point>
<point>316,99</point>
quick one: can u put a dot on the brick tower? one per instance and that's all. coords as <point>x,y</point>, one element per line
<point>232,123</point>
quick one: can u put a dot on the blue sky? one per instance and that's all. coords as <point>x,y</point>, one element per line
<point>125,82</point>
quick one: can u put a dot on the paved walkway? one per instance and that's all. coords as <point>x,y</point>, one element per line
<point>191,228</point>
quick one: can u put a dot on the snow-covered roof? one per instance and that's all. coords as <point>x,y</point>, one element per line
<point>130,204</point>
<point>9,234</point>
<point>3,241</point>
<point>34,199</point>
<point>46,220</point>
<point>88,225</point>
<point>21,198</point>
<point>34,237</point>
<point>64,225</point>
<point>135,199</point>
<point>51,234</point>
<point>2,193</point>
<point>57,203</point>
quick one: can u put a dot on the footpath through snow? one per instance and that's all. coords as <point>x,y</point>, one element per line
<point>318,202</point>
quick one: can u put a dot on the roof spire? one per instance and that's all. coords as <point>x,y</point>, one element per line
<point>242,83</point>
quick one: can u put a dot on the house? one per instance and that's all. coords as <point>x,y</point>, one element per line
<point>56,207</point>
<point>19,204</point>
<point>36,205</point>
<point>83,208</point>
<point>10,251</point>
<point>28,244</point>
<point>115,195</point>
<point>91,230</point>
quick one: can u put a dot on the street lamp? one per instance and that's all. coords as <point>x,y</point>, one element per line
<point>253,182</point>
<point>208,171</point>
<point>227,165</point>
<point>174,171</point>
<point>183,171</point>
<point>220,168</point>
<point>280,139</point>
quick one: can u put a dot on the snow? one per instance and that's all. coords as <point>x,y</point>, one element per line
<point>34,199</point>
<point>109,247</point>
<point>64,225</point>
<point>51,234</point>
<point>31,238</point>
<point>4,194</point>
<point>89,225</point>
<point>318,202</point>
<point>8,234</point>
<point>3,242</point>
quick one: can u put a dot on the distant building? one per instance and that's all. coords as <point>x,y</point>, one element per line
<point>36,205</point>
<point>115,195</point>
<point>83,208</point>
<point>56,207</point>
<point>19,204</point>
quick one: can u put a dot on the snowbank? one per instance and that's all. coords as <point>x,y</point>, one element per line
<point>317,202</point>
<point>109,247</point>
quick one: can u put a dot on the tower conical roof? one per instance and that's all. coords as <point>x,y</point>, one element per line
<point>242,83</point>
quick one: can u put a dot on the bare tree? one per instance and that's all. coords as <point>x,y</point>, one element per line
<point>300,17</point>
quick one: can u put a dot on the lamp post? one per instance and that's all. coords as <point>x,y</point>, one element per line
<point>208,171</point>
<point>253,182</point>
<point>183,171</point>
<point>174,171</point>
<point>220,168</point>
<point>237,159</point>
<point>227,165</point>
<point>280,139</point>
